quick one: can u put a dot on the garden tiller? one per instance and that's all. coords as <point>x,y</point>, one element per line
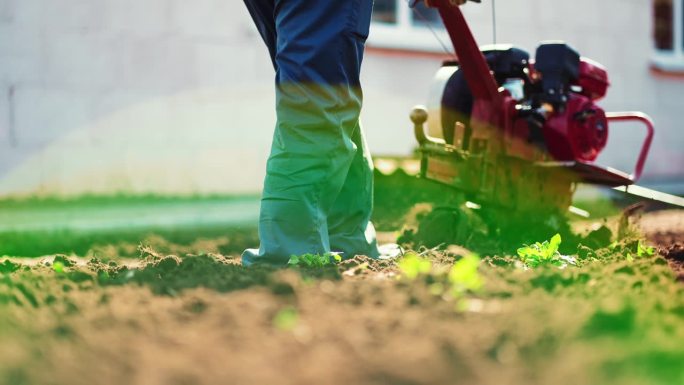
<point>514,134</point>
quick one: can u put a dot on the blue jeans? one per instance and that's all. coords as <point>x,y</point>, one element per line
<point>318,191</point>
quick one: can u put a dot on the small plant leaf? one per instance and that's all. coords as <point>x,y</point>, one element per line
<point>314,260</point>
<point>286,319</point>
<point>464,275</point>
<point>554,244</point>
<point>58,267</point>
<point>644,250</point>
<point>412,266</point>
<point>544,253</point>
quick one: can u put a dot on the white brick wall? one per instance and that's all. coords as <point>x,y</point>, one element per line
<point>6,11</point>
<point>55,16</point>
<point>84,61</point>
<point>164,64</point>
<point>208,19</point>
<point>139,19</point>
<point>176,96</point>
<point>43,116</point>
<point>5,129</point>
<point>21,54</point>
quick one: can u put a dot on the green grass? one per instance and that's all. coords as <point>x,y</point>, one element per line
<point>88,201</point>
<point>40,243</point>
<point>35,227</point>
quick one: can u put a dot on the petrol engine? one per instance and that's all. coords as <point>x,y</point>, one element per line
<point>555,95</point>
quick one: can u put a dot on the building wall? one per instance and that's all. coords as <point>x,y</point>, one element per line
<point>172,96</point>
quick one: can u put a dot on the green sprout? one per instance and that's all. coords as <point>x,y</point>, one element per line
<point>545,253</point>
<point>464,276</point>
<point>644,250</point>
<point>8,267</point>
<point>286,319</point>
<point>103,276</point>
<point>314,260</point>
<point>58,267</point>
<point>412,266</point>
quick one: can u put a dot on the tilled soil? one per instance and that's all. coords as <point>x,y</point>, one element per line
<point>666,230</point>
<point>205,319</point>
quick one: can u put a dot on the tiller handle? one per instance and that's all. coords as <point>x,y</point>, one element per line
<point>412,3</point>
<point>646,146</point>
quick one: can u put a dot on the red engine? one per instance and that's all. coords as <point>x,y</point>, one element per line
<point>580,132</point>
<point>555,97</point>
<point>593,79</point>
<point>563,91</point>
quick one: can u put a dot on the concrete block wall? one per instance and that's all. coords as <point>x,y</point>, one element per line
<point>176,97</point>
<point>107,96</point>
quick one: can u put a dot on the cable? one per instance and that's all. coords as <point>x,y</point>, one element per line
<point>494,20</point>
<point>434,33</point>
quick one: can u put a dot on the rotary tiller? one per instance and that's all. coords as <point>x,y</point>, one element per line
<point>514,136</point>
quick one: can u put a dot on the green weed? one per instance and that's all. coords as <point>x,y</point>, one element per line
<point>286,319</point>
<point>314,260</point>
<point>545,253</point>
<point>464,277</point>
<point>413,265</point>
<point>8,266</point>
<point>58,267</point>
<point>644,250</point>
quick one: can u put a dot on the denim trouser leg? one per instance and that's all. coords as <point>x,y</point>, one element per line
<point>317,193</point>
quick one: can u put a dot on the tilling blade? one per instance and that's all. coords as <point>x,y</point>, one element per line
<point>654,195</point>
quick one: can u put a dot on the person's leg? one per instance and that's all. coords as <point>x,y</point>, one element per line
<point>349,226</point>
<point>318,100</point>
<point>262,12</point>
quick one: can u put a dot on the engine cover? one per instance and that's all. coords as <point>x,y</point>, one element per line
<point>450,97</point>
<point>579,133</point>
<point>593,79</point>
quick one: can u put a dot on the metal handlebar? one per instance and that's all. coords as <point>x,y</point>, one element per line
<point>646,146</point>
<point>413,3</point>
